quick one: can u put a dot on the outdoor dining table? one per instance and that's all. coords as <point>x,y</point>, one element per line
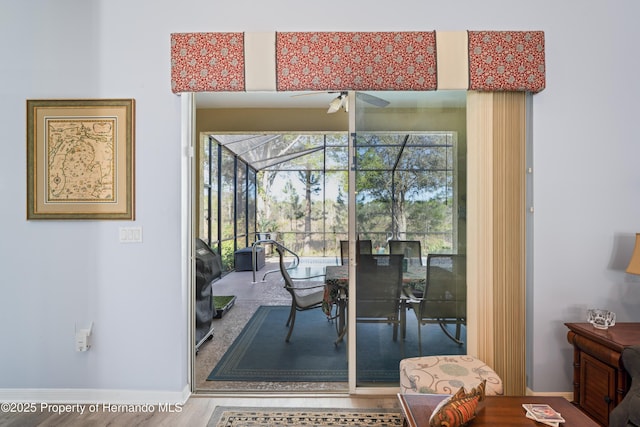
<point>337,289</point>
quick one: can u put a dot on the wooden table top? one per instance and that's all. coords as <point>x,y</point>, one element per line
<point>617,337</point>
<point>494,410</point>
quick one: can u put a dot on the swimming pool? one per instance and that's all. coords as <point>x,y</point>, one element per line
<point>312,266</point>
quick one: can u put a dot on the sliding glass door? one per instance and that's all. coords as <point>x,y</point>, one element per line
<point>407,197</point>
<point>390,177</point>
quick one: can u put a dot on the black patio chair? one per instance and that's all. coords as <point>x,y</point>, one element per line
<point>445,296</point>
<point>411,249</point>
<point>304,295</point>
<point>364,247</point>
<point>379,289</point>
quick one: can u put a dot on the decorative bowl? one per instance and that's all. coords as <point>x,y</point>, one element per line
<point>601,319</point>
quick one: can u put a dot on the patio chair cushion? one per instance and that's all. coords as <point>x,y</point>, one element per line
<point>446,374</point>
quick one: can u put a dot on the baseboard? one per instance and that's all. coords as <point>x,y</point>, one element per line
<point>91,396</point>
<point>566,394</point>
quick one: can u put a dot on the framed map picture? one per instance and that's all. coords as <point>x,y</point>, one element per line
<point>80,159</point>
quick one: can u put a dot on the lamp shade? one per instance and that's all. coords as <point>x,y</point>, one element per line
<point>634,263</point>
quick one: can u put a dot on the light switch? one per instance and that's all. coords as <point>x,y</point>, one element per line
<point>130,234</point>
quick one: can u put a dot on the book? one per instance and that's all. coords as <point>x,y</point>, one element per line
<point>549,423</point>
<point>543,413</point>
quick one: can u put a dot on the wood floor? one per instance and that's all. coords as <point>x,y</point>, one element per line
<point>195,412</point>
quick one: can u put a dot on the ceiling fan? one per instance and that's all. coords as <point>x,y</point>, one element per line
<point>341,101</point>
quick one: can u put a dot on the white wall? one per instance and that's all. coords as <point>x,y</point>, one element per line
<point>55,274</point>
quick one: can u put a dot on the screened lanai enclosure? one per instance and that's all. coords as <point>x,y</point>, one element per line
<point>294,187</point>
<point>394,177</point>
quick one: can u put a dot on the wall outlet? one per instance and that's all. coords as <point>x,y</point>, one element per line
<point>83,338</point>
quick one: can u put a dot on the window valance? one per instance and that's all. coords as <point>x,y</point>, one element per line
<point>297,61</point>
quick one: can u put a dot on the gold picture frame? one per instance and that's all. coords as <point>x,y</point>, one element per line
<point>80,159</point>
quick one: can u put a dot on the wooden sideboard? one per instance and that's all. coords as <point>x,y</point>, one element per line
<point>599,379</point>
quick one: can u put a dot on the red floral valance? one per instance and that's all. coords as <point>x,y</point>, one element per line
<point>506,61</point>
<point>207,62</point>
<point>357,61</point>
<point>215,62</point>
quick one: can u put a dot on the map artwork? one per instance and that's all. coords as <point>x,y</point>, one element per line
<point>80,160</point>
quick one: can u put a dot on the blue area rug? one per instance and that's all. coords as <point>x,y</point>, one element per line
<point>260,352</point>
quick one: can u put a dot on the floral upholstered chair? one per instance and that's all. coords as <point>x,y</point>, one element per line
<point>446,374</point>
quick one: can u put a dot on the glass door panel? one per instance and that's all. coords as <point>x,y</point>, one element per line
<point>409,176</point>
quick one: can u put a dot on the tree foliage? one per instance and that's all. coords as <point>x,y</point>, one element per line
<point>404,188</point>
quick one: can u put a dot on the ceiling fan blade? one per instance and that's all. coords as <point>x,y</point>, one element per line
<point>373,100</point>
<point>295,95</point>
<point>311,93</point>
<point>337,103</point>
<point>341,100</point>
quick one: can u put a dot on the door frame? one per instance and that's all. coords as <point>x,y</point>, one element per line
<point>499,130</point>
